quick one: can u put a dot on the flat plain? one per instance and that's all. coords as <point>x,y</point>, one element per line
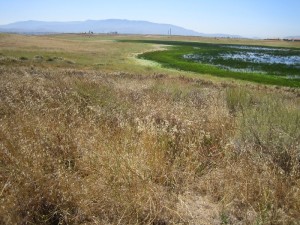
<point>92,134</point>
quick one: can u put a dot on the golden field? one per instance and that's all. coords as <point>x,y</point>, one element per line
<point>91,135</point>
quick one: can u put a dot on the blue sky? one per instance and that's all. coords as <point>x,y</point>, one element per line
<point>261,18</point>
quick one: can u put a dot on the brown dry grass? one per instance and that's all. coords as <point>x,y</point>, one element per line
<point>100,148</point>
<point>64,52</point>
<point>84,146</point>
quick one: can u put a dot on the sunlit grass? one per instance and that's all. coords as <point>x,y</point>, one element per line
<point>81,144</point>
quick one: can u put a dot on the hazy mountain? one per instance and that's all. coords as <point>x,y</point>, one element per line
<point>97,26</point>
<point>103,26</point>
<point>222,35</point>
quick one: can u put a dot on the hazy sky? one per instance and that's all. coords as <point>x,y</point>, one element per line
<point>262,18</point>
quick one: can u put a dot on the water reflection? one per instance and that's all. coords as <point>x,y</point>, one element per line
<point>251,59</point>
<point>262,58</point>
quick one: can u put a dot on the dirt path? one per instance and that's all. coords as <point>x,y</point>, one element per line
<point>199,210</point>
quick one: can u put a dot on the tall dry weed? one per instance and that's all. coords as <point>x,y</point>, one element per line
<point>86,147</point>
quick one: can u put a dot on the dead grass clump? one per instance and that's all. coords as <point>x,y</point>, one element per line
<point>80,149</point>
<point>85,147</point>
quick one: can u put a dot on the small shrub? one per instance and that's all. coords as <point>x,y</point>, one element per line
<point>38,57</point>
<point>23,58</point>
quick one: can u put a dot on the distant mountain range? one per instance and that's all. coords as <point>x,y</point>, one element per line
<point>103,26</point>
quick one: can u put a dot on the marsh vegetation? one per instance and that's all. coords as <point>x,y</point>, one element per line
<point>267,65</point>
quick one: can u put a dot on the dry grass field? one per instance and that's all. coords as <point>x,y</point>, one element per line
<point>91,135</point>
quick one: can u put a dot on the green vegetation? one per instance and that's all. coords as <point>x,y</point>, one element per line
<point>88,144</point>
<point>212,63</point>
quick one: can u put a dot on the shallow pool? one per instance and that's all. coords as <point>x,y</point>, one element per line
<point>250,59</point>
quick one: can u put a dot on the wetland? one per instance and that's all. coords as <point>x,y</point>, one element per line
<point>259,64</point>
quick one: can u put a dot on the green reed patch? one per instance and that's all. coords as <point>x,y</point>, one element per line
<point>266,65</point>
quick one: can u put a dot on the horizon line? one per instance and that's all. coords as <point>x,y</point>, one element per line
<point>295,37</point>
